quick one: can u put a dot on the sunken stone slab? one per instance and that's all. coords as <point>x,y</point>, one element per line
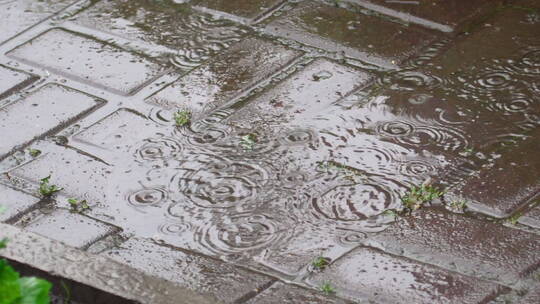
<point>95,271</point>
<point>85,59</point>
<point>43,112</point>
<point>187,37</point>
<point>511,182</point>
<point>214,83</point>
<point>14,202</point>
<point>226,282</point>
<point>66,226</point>
<point>445,16</point>
<point>18,15</point>
<point>290,294</point>
<point>12,80</point>
<point>364,37</point>
<point>241,8</point>
<point>470,246</point>
<point>367,273</point>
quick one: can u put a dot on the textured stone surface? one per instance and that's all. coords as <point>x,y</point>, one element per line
<point>466,245</point>
<point>370,274</point>
<point>21,14</point>
<point>356,35</point>
<point>43,112</point>
<point>12,80</point>
<point>64,226</point>
<point>289,294</point>
<point>441,15</point>
<point>95,271</point>
<point>216,82</point>
<point>87,60</point>
<point>14,202</point>
<point>188,38</point>
<point>221,280</point>
<point>240,8</point>
<point>512,182</point>
<point>532,297</point>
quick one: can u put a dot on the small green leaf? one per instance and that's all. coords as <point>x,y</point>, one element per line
<point>34,152</point>
<point>34,290</point>
<point>10,289</point>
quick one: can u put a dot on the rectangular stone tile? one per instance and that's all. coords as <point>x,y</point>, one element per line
<point>16,16</point>
<point>368,38</point>
<point>303,94</point>
<point>532,216</point>
<point>70,228</point>
<point>512,181</point>
<point>380,277</point>
<point>85,59</point>
<point>168,26</point>
<point>475,247</point>
<point>290,294</point>
<point>12,80</point>
<point>240,8</point>
<point>214,83</point>
<point>226,282</point>
<point>43,112</point>
<point>445,16</point>
<point>13,202</point>
<point>80,176</point>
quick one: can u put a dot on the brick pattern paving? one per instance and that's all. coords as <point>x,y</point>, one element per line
<point>352,102</point>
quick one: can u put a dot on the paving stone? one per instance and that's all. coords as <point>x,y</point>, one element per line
<point>14,202</point>
<point>80,176</point>
<point>226,282</point>
<point>532,216</point>
<point>43,112</point>
<point>243,9</point>
<point>11,80</point>
<point>475,247</point>
<point>216,82</point>
<point>316,86</point>
<point>188,38</point>
<point>87,60</point>
<point>532,297</point>
<point>369,273</point>
<point>66,226</point>
<point>365,37</point>
<point>511,183</point>
<point>290,294</point>
<point>21,14</point>
<point>445,16</point>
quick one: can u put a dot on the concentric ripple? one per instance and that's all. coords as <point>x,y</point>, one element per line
<point>528,64</point>
<point>159,148</point>
<point>410,80</point>
<point>147,197</point>
<point>241,234</point>
<point>220,183</point>
<point>353,203</point>
<point>449,139</point>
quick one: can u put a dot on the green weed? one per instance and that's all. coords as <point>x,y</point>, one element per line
<point>320,263</point>
<point>459,206</point>
<point>417,197</point>
<point>514,218</point>
<point>248,141</point>
<point>182,118</point>
<point>34,152</point>
<point>47,190</point>
<point>78,206</point>
<point>327,288</point>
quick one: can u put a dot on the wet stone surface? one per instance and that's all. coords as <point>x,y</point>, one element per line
<point>43,112</point>
<point>441,15</point>
<point>225,282</point>
<point>11,80</point>
<point>355,35</point>
<point>306,125</point>
<point>397,280</point>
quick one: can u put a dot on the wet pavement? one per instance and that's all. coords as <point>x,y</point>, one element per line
<point>311,122</point>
